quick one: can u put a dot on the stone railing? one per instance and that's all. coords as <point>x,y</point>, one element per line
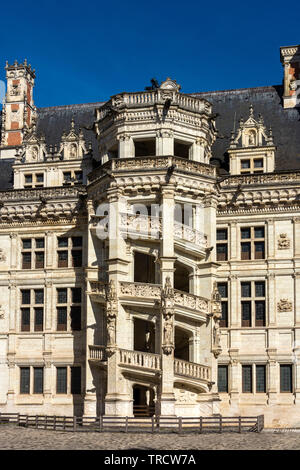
<point>191,369</point>
<point>28,194</point>
<point>262,178</point>
<point>151,97</point>
<point>97,353</point>
<point>98,287</point>
<point>152,163</point>
<point>153,291</point>
<point>189,234</point>
<point>194,302</point>
<point>140,289</point>
<point>138,223</point>
<point>140,359</point>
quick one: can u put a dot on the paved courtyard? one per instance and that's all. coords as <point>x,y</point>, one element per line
<point>14,438</point>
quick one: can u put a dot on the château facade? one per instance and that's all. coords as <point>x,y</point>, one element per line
<point>150,252</point>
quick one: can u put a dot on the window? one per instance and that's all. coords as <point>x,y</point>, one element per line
<point>223,290</point>
<point>68,380</point>
<point>32,309</point>
<point>222,244</point>
<point>69,309</point>
<point>69,252</point>
<point>286,378</point>
<point>33,253</point>
<point>223,379</point>
<point>252,243</point>
<point>252,165</point>
<point>61,380</point>
<point>36,385</point>
<point>260,371</point>
<point>247,379</point>
<point>72,177</point>
<point>253,309</point>
<point>33,180</point>
<point>25,380</point>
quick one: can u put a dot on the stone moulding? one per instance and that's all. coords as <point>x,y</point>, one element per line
<point>152,163</point>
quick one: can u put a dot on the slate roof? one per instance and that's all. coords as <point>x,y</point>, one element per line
<point>231,105</point>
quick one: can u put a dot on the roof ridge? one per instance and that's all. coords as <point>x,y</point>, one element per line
<point>261,88</point>
<point>66,106</point>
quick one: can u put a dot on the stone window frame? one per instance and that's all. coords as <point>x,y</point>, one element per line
<point>252,299</point>
<point>252,169</point>
<point>32,307</point>
<point>33,250</point>
<point>69,248</point>
<point>223,242</point>
<point>32,379</point>
<point>254,383</point>
<point>68,369</point>
<point>73,180</point>
<point>68,307</point>
<point>226,367</point>
<point>292,369</point>
<point>224,303</point>
<point>252,240</point>
<point>34,180</point>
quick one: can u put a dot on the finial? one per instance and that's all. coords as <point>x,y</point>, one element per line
<point>25,62</point>
<point>72,123</point>
<point>251,109</point>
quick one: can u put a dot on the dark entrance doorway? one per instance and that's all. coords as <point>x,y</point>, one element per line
<point>143,401</point>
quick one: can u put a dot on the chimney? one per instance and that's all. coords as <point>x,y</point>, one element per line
<point>290,59</point>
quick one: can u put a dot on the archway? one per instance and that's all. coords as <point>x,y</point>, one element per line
<point>182,344</point>
<point>144,336</point>
<point>181,277</point>
<point>143,401</point>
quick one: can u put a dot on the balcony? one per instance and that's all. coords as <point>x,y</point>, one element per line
<point>145,363</point>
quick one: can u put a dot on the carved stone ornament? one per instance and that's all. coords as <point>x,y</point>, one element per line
<point>111,317</point>
<point>284,305</point>
<point>216,311</point>
<point>2,255</point>
<point>167,310</point>
<point>283,242</point>
<point>1,313</point>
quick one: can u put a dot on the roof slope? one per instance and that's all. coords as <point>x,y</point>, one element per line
<point>231,105</point>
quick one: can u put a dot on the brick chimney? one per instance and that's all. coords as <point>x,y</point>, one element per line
<point>290,59</point>
<point>18,111</point>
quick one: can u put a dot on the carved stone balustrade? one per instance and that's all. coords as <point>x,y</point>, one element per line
<point>97,353</point>
<point>140,289</point>
<point>140,359</point>
<point>188,234</point>
<point>192,370</point>
<point>152,163</point>
<point>140,226</point>
<point>194,302</point>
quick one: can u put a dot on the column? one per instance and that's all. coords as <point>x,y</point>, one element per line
<point>233,241</point>
<point>286,80</point>
<point>296,222</point>
<point>198,150</point>
<point>126,146</point>
<point>273,381</point>
<point>234,379</point>
<point>271,299</point>
<point>167,259</point>
<point>235,321</point>
<point>270,239</point>
<point>14,250</point>
<point>164,142</point>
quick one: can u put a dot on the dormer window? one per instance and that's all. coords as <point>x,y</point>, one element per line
<point>34,180</point>
<point>252,165</point>
<point>72,177</point>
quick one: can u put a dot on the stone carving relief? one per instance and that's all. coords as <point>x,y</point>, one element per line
<point>1,313</point>
<point>111,317</point>
<point>216,312</point>
<point>2,255</point>
<point>283,242</point>
<point>167,307</point>
<point>284,305</point>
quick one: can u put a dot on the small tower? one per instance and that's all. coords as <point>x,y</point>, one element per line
<point>19,111</point>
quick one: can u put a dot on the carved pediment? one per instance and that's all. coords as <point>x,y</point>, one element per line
<point>170,84</point>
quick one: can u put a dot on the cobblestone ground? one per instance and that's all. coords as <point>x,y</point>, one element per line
<point>14,438</point>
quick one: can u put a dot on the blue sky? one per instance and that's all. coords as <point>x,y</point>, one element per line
<point>88,51</point>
